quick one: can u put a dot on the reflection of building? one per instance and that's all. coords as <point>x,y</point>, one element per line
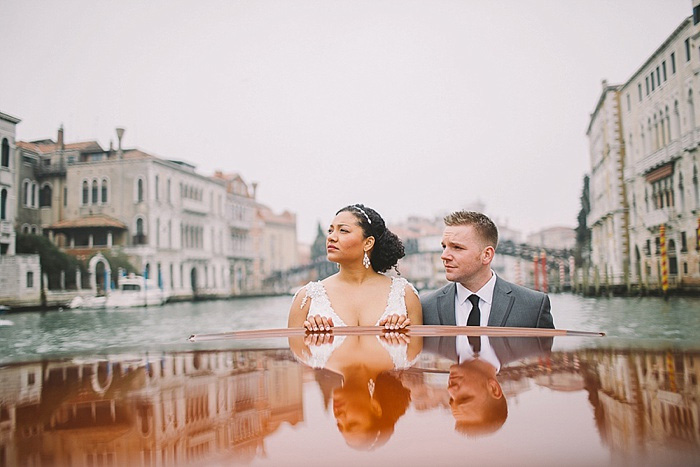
<point>650,398</point>
<point>182,408</point>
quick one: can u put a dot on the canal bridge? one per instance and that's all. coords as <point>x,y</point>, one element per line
<point>547,268</point>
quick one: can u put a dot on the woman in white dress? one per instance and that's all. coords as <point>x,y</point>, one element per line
<point>359,294</point>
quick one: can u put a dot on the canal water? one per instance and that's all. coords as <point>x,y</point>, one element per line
<point>56,334</point>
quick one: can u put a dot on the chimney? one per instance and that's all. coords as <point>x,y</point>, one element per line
<point>120,133</point>
<point>605,84</point>
<point>255,189</point>
<point>60,137</point>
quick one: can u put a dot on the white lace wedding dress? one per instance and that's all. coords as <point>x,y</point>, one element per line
<point>321,305</point>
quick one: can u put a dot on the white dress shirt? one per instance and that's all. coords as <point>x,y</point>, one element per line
<point>465,352</point>
<point>464,306</point>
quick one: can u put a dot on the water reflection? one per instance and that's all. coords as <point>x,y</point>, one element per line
<point>242,406</point>
<point>477,400</point>
<point>367,393</point>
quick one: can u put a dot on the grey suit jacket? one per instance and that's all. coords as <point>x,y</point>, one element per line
<point>512,306</point>
<point>508,349</point>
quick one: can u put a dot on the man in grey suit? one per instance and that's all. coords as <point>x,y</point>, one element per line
<point>475,296</point>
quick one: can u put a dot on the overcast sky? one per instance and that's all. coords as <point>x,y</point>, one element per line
<point>410,107</point>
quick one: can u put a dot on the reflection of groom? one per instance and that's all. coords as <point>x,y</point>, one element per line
<point>475,296</point>
<point>476,398</point>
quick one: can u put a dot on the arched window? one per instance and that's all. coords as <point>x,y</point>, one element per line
<point>139,190</point>
<point>3,205</point>
<point>25,193</point>
<point>5,153</point>
<point>86,192</point>
<point>34,194</point>
<point>45,195</point>
<point>94,190</point>
<point>691,111</point>
<point>140,237</point>
<point>105,191</point>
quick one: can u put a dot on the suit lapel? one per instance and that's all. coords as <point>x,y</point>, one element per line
<point>446,305</point>
<point>502,303</point>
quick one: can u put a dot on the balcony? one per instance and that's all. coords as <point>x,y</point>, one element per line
<point>195,207</point>
<point>50,170</point>
<point>659,216</point>
<point>6,227</point>
<point>666,154</point>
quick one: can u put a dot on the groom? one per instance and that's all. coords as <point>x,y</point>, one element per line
<point>475,296</point>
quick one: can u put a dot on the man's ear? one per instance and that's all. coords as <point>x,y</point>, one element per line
<point>494,388</point>
<point>488,254</point>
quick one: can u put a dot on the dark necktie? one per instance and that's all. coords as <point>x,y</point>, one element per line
<point>474,320</point>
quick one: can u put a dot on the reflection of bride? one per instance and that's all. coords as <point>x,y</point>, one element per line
<point>368,397</point>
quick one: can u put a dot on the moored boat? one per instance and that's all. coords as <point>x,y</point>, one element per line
<point>133,291</point>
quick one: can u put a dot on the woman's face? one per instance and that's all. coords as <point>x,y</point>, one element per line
<point>356,414</point>
<point>346,241</point>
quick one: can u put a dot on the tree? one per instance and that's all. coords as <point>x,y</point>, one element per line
<point>53,261</point>
<point>583,233</point>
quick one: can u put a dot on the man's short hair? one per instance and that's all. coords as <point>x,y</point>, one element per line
<point>483,226</point>
<point>495,415</point>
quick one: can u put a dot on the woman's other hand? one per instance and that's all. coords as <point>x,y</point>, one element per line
<point>395,321</point>
<point>318,323</point>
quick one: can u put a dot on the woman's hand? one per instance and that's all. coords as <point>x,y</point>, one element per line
<point>395,321</point>
<point>395,338</point>
<point>318,323</point>
<point>316,339</point>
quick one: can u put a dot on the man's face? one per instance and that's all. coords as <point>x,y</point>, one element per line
<point>469,394</point>
<point>464,254</point>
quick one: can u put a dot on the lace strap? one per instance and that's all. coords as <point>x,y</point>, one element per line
<point>313,290</point>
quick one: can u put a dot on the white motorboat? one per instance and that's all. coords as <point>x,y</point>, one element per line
<point>133,291</point>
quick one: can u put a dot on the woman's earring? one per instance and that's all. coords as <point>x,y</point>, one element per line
<point>365,261</point>
<point>370,387</point>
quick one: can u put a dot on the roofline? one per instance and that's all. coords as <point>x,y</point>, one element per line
<point>612,87</point>
<point>9,118</point>
<point>663,45</point>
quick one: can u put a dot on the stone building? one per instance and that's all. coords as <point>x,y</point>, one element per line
<point>165,217</point>
<point>20,275</point>
<point>239,214</point>
<point>275,242</point>
<point>644,136</point>
<point>8,185</point>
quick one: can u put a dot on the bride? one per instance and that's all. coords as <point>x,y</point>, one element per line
<point>359,294</point>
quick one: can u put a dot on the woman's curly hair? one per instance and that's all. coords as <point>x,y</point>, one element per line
<point>388,248</point>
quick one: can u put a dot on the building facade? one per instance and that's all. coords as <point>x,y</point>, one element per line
<point>239,214</point>
<point>644,177</point>
<point>8,186</point>
<point>167,219</point>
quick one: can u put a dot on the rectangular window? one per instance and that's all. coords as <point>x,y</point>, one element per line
<point>696,15</point>
<point>65,196</point>
<point>673,62</point>
<point>639,88</point>
<point>646,81</point>
<point>684,243</point>
<point>30,280</point>
<point>629,105</point>
<point>687,50</point>
<point>647,249</point>
<point>653,85</point>
<point>658,76</point>
<point>663,68</point>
